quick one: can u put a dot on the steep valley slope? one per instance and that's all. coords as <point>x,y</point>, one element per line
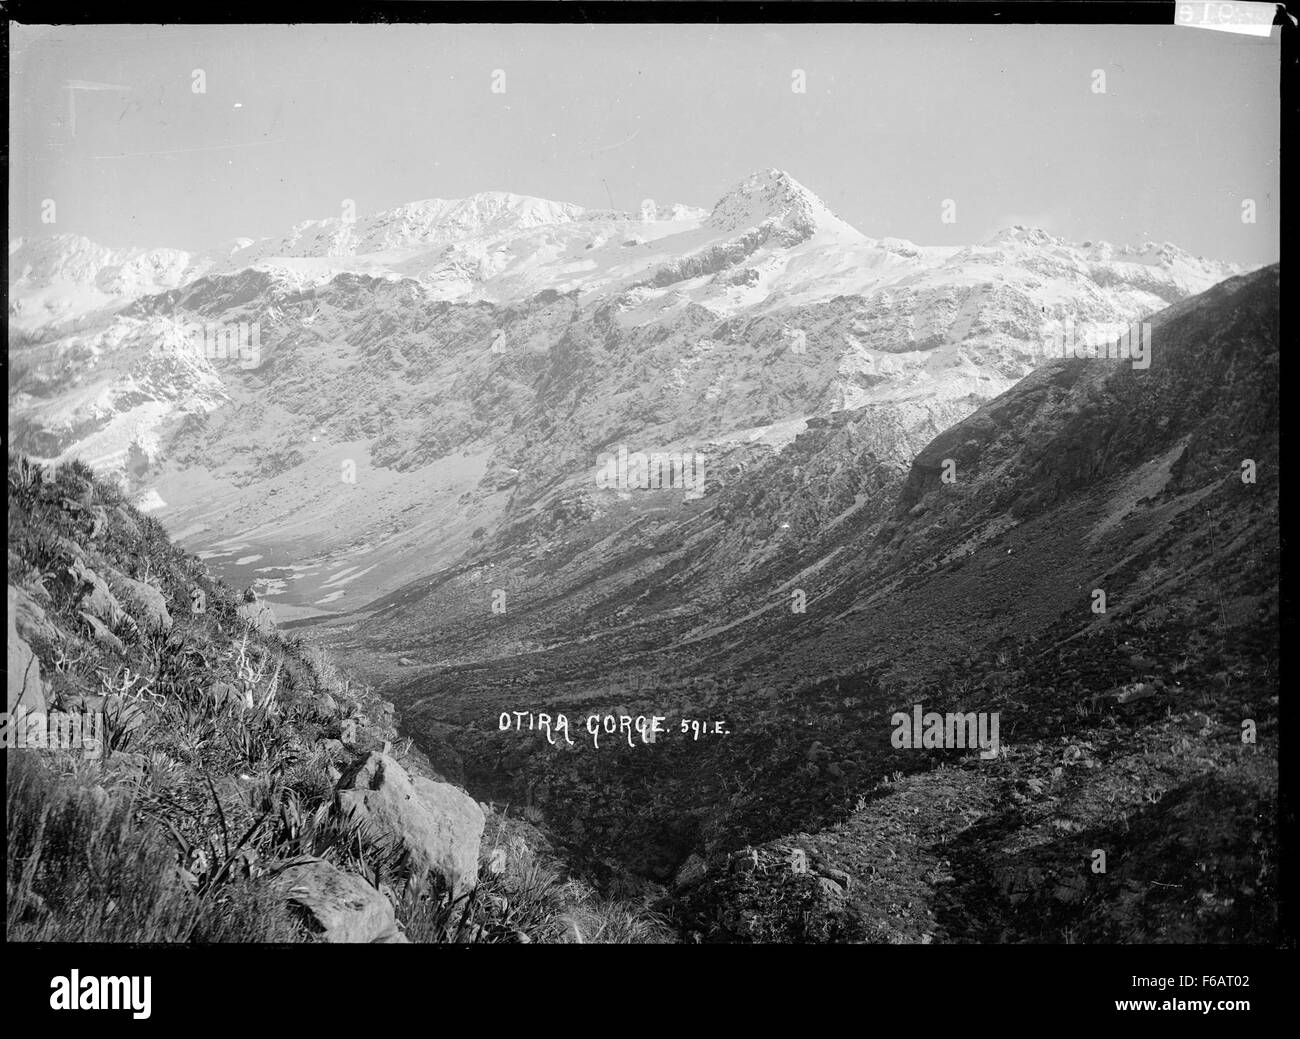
<point>1120,730</point>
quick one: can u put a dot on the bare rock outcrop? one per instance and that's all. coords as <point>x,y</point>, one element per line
<point>439,825</point>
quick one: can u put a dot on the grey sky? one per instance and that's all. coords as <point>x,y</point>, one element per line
<point>1003,120</point>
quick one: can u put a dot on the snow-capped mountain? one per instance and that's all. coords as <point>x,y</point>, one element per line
<point>499,246</point>
<point>431,223</point>
<point>468,345</point>
<point>67,276</point>
<point>772,198</point>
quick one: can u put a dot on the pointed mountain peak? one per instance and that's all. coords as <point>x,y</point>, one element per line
<point>1023,235</point>
<point>774,197</point>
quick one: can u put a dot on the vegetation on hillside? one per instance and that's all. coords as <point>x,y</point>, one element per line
<point>223,742</point>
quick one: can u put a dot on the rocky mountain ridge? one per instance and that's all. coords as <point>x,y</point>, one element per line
<point>496,346</point>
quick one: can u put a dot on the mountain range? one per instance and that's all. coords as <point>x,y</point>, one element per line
<point>490,349</point>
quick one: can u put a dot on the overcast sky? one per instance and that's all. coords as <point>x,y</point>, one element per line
<point>1003,120</point>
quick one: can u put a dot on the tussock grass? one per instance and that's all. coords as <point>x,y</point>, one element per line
<point>222,749</point>
<point>79,869</point>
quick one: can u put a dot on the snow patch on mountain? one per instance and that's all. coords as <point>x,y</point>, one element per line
<point>65,276</point>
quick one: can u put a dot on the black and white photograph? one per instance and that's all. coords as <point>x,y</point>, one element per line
<point>600,481</point>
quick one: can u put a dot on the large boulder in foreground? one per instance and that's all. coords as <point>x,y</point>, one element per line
<point>24,671</point>
<point>150,605</point>
<point>440,825</point>
<point>93,596</point>
<point>34,627</point>
<point>338,906</point>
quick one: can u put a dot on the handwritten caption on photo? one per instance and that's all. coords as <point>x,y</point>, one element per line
<point>635,729</point>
